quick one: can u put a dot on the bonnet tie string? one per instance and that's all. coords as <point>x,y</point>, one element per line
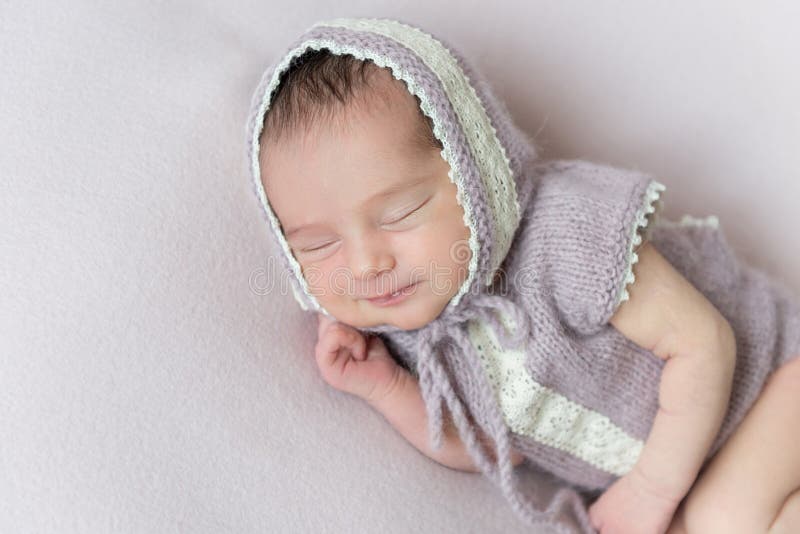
<point>447,339</point>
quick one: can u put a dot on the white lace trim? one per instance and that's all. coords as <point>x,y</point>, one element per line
<point>489,154</point>
<point>546,416</point>
<point>641,232</point>
<point>301,301</point>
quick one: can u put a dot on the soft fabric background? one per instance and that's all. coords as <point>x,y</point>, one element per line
<point>149,379</point>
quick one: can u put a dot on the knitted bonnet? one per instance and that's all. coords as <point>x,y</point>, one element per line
<point>485,150</point>
<point>490,161</point>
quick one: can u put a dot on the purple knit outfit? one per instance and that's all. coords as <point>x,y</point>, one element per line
<point>554,252</point>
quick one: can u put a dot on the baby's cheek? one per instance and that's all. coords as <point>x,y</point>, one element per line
<point>425,248</point>
<point>317,279</point>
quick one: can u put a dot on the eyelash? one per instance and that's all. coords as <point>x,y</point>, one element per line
<point>391,222</point>
<point>409,213</point>
<point>316,248</point>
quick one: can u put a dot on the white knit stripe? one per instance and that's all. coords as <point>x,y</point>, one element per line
<point>544,415</point>
<point>485,147</point>
<point>454,173</point>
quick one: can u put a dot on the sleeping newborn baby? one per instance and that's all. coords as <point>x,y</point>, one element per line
<point>547,306</point>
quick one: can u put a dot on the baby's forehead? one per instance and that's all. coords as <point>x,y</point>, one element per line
<point>380,121</point>
<point>382,85</point>
<point>384,97</point>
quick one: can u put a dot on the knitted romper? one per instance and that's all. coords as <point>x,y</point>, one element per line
<point>525,351</point>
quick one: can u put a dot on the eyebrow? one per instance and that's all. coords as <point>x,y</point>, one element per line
<point>385,193</point>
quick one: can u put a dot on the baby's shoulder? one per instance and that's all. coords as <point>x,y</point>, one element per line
<point>578,238</point>
<point>562,180</point>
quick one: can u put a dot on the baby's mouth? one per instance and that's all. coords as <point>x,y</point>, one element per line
<point>402,292</point>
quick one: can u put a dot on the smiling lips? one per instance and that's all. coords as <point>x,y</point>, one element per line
<point>394,298</point>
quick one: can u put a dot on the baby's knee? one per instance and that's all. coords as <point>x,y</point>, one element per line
<point>709,513</point>
<point>788,520</point>
<point>718,521</point>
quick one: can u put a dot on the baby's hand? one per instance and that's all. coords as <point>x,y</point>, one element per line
<point>628,507</point>
<point>351,363</point>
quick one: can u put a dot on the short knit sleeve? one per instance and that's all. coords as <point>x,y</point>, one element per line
<point>593,217</point>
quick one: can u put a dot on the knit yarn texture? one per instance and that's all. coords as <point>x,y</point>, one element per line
<point>524,352</point>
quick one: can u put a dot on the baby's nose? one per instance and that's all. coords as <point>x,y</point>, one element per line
<point>370,258</point>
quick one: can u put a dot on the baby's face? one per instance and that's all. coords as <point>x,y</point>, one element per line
<point>367,212</point>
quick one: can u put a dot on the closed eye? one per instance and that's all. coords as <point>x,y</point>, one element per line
<point>394,221</point>
<point>410,212</point>
<point>317,248</point>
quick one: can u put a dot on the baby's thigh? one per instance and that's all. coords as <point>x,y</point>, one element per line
<point>745,485</point>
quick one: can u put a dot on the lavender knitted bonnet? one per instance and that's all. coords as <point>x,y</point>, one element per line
<point>491,162</point>
<point>485,150</point>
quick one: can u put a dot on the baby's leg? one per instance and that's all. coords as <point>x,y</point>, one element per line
<point>745,486</point>
<point>788,521</point>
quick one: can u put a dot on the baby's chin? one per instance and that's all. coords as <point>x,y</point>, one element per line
<point>367,315</point>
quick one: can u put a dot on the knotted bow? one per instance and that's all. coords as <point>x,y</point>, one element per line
<point>447,338</point>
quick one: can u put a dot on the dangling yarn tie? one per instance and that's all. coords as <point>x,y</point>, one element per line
<point>447,339</point>
<point>448,334</point>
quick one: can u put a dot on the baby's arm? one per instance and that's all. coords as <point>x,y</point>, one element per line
<point>350,362</point>
<point>404,408</point>
<point>667,315</point>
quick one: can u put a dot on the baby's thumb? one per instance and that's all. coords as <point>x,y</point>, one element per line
<point>359,346</point>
